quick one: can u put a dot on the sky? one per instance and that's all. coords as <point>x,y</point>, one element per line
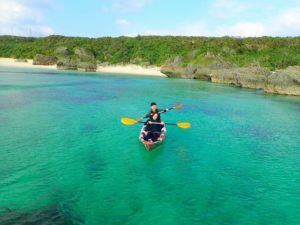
<point>99,18</point>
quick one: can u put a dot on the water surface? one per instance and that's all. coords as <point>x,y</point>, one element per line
<point>67,159</point>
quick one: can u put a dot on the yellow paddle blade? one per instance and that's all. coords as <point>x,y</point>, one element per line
<point>178,106</point>
<point>128,121</point>
<point>184,125</point>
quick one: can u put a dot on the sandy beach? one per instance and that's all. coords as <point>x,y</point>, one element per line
<point>131,69</point>
<point>123,69</point>
<point>9,62</point>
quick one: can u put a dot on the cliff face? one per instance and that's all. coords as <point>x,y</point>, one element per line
<point>286,81</point>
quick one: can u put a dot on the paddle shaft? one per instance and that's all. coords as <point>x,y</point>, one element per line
<point>162,111</point>
<point>129,121</point>
<point>159,123</point>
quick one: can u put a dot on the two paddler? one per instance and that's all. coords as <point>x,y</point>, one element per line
<point>154,125</point>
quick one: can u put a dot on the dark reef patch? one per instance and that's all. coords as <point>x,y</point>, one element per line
<point>89,128</point>
<point>50,215</point>
<point>94,164</point>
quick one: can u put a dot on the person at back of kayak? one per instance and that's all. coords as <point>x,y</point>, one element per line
<point>153,127</point>
<point>153,110</point>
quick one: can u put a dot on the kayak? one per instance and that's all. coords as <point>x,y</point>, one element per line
<point>149,145</point>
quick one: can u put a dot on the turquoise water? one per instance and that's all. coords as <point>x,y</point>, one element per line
<point>65,158</point>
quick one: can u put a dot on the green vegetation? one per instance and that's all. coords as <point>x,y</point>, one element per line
<point>269,52</point>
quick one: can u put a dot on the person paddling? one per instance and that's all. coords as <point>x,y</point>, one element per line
<point>153,127</point>
<point>154,110</point>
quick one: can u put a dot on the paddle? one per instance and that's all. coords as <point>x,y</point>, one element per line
<point>183,125</point>
<point>174,107</point>
<point>128,121</point>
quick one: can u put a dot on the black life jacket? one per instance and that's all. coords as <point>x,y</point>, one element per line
<point>153,127</point>
<point>150,114</point>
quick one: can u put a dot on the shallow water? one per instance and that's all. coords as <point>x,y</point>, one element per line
<point>67,159</point>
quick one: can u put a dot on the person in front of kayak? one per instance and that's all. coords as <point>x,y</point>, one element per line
<point>153,127</point>
<point>153,110</point>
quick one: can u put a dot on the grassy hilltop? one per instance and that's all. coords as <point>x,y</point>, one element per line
<point>269,52</point>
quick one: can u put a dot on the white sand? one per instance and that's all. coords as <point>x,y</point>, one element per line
<point>8,62</point>
<point>131,69</point>
<point>124,69</point>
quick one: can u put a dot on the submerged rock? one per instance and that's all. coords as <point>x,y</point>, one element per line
<point>44,60</point>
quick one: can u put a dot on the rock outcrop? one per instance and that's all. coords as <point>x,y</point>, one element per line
<point>44,60</point>
<point>67,64</point>
<point>286,82</point>
<point>214,69</point>
<point>175,72</point>
<point>175,68</point>
<point>81,59</point>
<point>87,66</point>
<point>200,70</point>
<point>62,52</point>
<point>84,55</point>
<point>87,60</point>
<point>248,77</point>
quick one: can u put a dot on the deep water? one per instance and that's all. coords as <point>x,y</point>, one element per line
<point>65,158</point>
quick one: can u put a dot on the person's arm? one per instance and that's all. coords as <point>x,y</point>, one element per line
<point>162,111</point>
<point>148,115</point>
<point>147,122</point>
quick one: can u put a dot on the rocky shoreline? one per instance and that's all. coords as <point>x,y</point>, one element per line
<point>209,67</point>
<point>283,81</point>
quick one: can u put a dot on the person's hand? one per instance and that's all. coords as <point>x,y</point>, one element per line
<point>150,122</point>
<point>162,123</point>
